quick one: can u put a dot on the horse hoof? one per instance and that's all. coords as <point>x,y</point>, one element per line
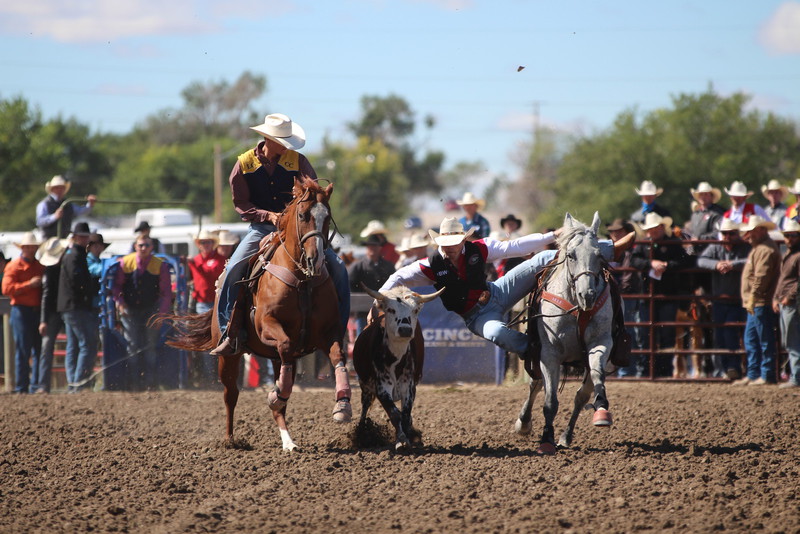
<point>343,411</point>
<point>522,428</point>
<point>602,418</point>
<point>401,446</point>
<point>291,447</point>
<point>546,449</point>
<point>274,402</point>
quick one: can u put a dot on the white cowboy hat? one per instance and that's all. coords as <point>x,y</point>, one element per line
<point>653,219</point>
<point>227,238</point>
<point>373,227</point>
<point>796,189</point>
<point>418,240</point>
<point>648,188</point>
<point>51,251</point>
<point>755,222</point>
<point>791,226</point>
<point>728,225</point>
<point>56,181</point>
<point>451,232</point>
<point>403,246</point>
<point>28,238</point>
<point>705,187</point>
<point>205,235</point>
<point>738,189</point>
<point>281,129</point>
<point>774,185</point>
<point>470,198</point>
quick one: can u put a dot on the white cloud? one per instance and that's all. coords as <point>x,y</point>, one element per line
<point>780,34</point>
<point>449,5</point>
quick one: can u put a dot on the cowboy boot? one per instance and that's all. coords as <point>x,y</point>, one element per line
<point>230,344</point>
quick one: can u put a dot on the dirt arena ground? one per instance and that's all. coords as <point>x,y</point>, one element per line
<point>681,457</point>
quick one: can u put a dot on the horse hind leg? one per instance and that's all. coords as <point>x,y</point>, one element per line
<point>523,424</point>
<point>229,375</point>
<point>278,405</point>
<point>581,398</point>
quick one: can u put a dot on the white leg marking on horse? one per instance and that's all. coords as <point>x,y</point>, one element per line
<point>288,444</point>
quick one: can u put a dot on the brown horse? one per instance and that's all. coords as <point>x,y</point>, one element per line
<point>292,305</point>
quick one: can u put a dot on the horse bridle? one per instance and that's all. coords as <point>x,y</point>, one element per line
<point>302,239</point>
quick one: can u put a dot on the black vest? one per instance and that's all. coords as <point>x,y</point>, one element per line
<point>271,193</point>
<point>66,219</point>
<point>456,292</point>
<point>141,289</point>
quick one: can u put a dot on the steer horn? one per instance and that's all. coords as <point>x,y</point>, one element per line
<point>372,293</point>
<point>429,297</point>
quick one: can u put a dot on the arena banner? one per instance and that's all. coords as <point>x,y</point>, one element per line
<point>452,352</point>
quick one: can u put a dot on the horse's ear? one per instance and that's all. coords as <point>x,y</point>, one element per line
<point>596,223</point>
<point>329,190</point>
<point>297,189</point>
<point>568,220</point>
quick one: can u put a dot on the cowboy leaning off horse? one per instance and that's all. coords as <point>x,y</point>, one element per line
<point>458,265</point>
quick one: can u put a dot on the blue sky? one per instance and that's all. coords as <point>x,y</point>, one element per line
<point>109,64</point>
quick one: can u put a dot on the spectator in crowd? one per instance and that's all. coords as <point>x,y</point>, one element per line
<point>94,249</point>
<point>775,193</point>
<point>472,219</point>
<point>726,261</point>
<point>784,302</point>
<point>3,262</point>
<point>412,248</point>
<point>22,283</point>
<point>705,220</point>
<point>261,186</point>
<point>510,230</point>
<point>205,268</point>
<point>792,211</point>
<point>630,283</point>
<point>50,322</point>
<point>741,210</point>
<point>76,292</point>
<point>759,279</point>
<point>51,210</point>
<point>372,270</point>
<point>141,289</point>
<point>226,243</point>
<point>662,270</point>
<point>648,192</point>
<point>388,250</point>
<point>511,226</point>
<point>144,229</point>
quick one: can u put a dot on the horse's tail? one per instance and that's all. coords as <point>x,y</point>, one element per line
<point>190,332</point>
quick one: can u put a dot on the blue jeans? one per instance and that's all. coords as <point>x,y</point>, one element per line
<point>82,334</point>
<point>759,341</point>
<point>790,337</point>
<point>44,377</point>
<point>25,327</point>
<point>143,355</point>
<point>727,337</point>
<point>237,270</point>
<point>638,362</point>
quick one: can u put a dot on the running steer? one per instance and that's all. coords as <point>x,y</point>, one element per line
<point>388,357</point>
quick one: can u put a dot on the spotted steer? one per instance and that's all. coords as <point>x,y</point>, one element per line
<point>388,356</point>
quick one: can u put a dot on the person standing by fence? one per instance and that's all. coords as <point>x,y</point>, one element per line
<point>51,322</point>
<point>784,302</point>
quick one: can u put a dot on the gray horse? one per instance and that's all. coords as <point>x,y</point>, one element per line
<point>574,326</point>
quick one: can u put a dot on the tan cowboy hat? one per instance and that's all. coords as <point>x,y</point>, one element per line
<point>56,181</point>
<point>648,188</point>
<point>470,198</point>
<point>796,189</point>
<point>418,240</point>
<point>373,227</point>
<point>705,187</point>
<point>227,238</point>
<point>205,235</point>
<point>451,232</point>
<point>738,189</point>
<point>654,219</point>
<point>790,226</point>
<point>755,222</point>
<point>728,225</point>
<point>28,238</point>
<point>403,246</point>
<point>281,129</point>
<point>774,185</point>
<point>51,251</point>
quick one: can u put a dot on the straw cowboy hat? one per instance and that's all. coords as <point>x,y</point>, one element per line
<point>754,222</point>
<point>413,241</point>
<point>451,232</point>
<point>470,198</point>
<point>774,185</point>
<point>373,227</point>
<point>28,238</point>
<point>728,225</point>
<point>51,251</point>
<point>56,181</point>
<point>281,129</point>
<point>205,235</point>
<point>648,188</point>
<point>227,238</point>
<point>97,239</point>
<point>705,187</point>
<point>403,246</point>
<point>738,189</point>
<point>790,226</point>
<point>654,219</point>
<point>796,189</point>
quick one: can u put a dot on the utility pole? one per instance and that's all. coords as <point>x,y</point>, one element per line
<point>217,183</point>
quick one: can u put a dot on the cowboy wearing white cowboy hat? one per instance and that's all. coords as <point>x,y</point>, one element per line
<point>22,283</point>
<point>705,219</point>
<point>740,210</point>
<point>50,211</point>
<point>472,219</point>
<point>784,302</point>
<point>792,211</point>
<point>775,192</point>
<point>413,248</point>
<point>389,251</point>
<point>648,192</point>
<point>459,265</point>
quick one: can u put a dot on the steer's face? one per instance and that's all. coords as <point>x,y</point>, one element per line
<point>401,306</point>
